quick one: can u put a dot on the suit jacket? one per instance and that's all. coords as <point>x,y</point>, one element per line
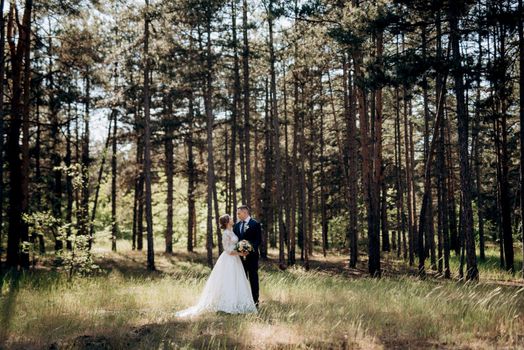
<point>253,233</point>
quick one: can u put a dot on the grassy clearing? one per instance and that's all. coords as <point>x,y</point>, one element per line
<point>126,307</point>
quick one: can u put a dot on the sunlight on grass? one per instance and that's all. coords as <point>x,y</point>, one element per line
<point>298,309</point>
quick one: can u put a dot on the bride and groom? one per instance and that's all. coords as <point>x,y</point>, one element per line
<point>232,286</point>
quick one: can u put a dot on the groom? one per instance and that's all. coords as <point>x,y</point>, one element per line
<point>250,230</point>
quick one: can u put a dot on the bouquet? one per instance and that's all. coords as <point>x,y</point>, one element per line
<point>243,246</point>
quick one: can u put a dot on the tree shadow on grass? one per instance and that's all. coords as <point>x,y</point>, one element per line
<point>134,265</point>
<point>170,335</point>
<point>9,281</point>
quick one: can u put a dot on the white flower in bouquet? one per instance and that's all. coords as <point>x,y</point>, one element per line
<point>243,246</point>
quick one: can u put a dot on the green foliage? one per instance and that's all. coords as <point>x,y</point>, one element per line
<point>75,260</point>
<point>338,230</point>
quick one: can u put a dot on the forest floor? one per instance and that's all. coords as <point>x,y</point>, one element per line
<point>328,307</point>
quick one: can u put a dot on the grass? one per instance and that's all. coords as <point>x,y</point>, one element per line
<point>329,306</point>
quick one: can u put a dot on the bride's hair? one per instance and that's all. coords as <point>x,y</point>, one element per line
<point>224,220</point>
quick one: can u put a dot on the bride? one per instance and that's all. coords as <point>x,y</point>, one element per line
<point>227,288</point>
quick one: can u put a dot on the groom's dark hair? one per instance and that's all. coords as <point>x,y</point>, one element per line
<point>244,207</point>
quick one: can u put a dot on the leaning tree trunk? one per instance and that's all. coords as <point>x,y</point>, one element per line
<point>426,198</point>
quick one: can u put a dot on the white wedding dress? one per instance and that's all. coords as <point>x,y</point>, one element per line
<point>227,288</point>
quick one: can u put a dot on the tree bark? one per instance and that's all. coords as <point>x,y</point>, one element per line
<point>17,232</point>
<point>2,74</point>
<point>462,116</point>
<point>521,118</point>
<point>147,147</point>
<point>247,126</point>
<point>208,95</point>
<point>170,170</point>
<point>235,108</point>
<point>114,223</point>
<point>276,142</point>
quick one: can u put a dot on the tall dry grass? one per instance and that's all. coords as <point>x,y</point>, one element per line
<point>126,307</point>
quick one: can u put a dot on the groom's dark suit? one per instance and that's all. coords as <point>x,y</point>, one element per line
<point>253,234</point>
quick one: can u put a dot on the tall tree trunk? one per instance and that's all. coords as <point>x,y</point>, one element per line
<point>477,149</point>
<point>381,218</point>
<point>25,126</point>
<point>267,203</point>
<point>17,232</point>
<point>235,108</point>
<point>323,193</point>
<point>170,170</point>
<point>191,188</point>
<point>114,223</point>
<point>26,101</point>
<point>471,258</point>
<point>302,189</point>
<point>276,143</point>
<point>139,193</point>
<point>69,179</point>
<point>191,171</point>
<point>208,95</point>
<point>401,222</point>
<point>429,225</point>
<point>367,171</point>
<point>351,144</point>
<point>55,185</point>
<point>147,147</point>
<point>412,176</point>
<point>505,199</point>
<point>294,175</point>
<point>452,207</point>
<point>84,201</point>
<point>138,175</point>
<point>386,246</point>
<point>442,191</point>
<point>426,198</point>
<point>521,115</point>
<point>401,217</point>
<point>2,74</point>
<point>245,74</point>
<point>443,226</point>
<point>407,152</point>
